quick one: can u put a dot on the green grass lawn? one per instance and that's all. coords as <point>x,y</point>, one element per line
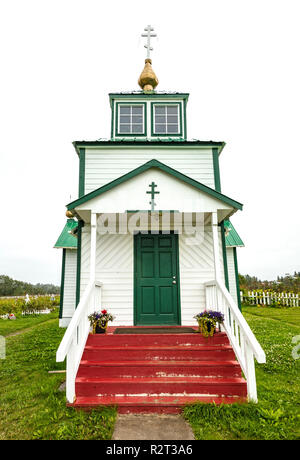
<point>31,404</point>
<point>33,407</point>
<point>277,414</point>
<point>24,322</point>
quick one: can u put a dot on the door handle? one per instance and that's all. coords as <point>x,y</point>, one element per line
<point>174,282</point>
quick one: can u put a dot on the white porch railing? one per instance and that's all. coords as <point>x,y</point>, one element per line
<point>74,340</point>
<point>242,339</point>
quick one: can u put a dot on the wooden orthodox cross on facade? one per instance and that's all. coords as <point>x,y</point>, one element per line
<point>153,192</point>
<point>149,35</point>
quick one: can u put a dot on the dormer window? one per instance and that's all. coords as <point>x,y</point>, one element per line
<point>166,119</point>
<point>131,119</point>
<point>141,116</point>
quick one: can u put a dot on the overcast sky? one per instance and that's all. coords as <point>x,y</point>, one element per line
<point>238,59</point>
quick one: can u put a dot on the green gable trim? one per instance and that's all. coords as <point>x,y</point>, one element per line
<point>66,239</point>
<point>216,169</point>
<point>162,167</point>
<point>62,284</point>
<point>232,238</point>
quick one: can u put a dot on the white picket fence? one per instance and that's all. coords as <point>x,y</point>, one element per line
<point>286,299</point>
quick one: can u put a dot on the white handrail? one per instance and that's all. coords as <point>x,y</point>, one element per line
<point>74,340</point>
<point>242,339</point>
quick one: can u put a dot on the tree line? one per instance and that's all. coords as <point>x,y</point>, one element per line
<point>286,283</point>
<point>11,287</point>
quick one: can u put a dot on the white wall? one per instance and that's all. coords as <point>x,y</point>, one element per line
<point>106,164</point>
<point>196,267</point>
<point>69,299</point>
<point>114,268</point>
<point>231,273</point>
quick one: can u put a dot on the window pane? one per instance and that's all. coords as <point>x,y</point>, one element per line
<point>125,129</point>
<point>172,119</point>
<point>160,119</point>
<point>160,128</point>
<point>124,109</point>
<point>172,109</point>
<point>137,110</point>
<point>137,119</point>
<point>124,119</point>
<point>160,110</point>
<point>172,129</point>
<point>137,128</point>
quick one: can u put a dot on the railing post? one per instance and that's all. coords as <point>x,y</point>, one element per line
<point>250,368</point>
<point>70,373</point>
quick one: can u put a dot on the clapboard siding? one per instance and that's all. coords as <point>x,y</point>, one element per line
<point>231,273</point>
<point>69,299</point>
<point>196,267</point>
<point>104,165</point>
<point>114,268</point>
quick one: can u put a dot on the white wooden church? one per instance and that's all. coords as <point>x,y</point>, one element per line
<point>149,238</point>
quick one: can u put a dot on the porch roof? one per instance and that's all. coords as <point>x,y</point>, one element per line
<point>232,238</point>
<point>164,168</point>
<point>66,239</point>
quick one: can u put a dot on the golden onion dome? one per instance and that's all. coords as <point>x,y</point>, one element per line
<point>148,80</point>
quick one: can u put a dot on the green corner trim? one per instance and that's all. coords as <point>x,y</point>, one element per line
<point>237,279</point>
<point>224,255</point>
<point>162,167</point>
<point>215,153</point>
<point>78,268</point>
<point>62,283</point>
<point>81,171</point>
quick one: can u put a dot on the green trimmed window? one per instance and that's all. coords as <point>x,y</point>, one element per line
<point>167,119</point>
<point>131,119</point>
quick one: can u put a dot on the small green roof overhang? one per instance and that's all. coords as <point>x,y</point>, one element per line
<point>66,239</point>
<point>155,164</point>
<point>232,238</point>
<point>148,94</point>
<point>148,142</point>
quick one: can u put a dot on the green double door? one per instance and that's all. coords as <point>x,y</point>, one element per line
<point>156,280</point>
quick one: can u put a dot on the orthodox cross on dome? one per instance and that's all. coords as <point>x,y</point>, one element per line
<point>153,192</point>
<point>149,35</point>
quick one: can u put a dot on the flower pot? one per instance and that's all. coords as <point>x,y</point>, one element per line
<point>100,328</point>
<point>206,327</point>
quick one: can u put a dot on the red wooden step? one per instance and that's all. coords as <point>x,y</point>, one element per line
<point>125,340</point>
<point>175,353</point>
<point>150,404</point>
<point>86,386</point>
<point>170,369</point>
<point>157,372</point>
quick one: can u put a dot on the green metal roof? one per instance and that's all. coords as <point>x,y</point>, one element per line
<point>148,142</point>
<point>66,239</point>
<point>232,237</point>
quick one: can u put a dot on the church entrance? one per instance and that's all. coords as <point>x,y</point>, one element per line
<point>156,279</point>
